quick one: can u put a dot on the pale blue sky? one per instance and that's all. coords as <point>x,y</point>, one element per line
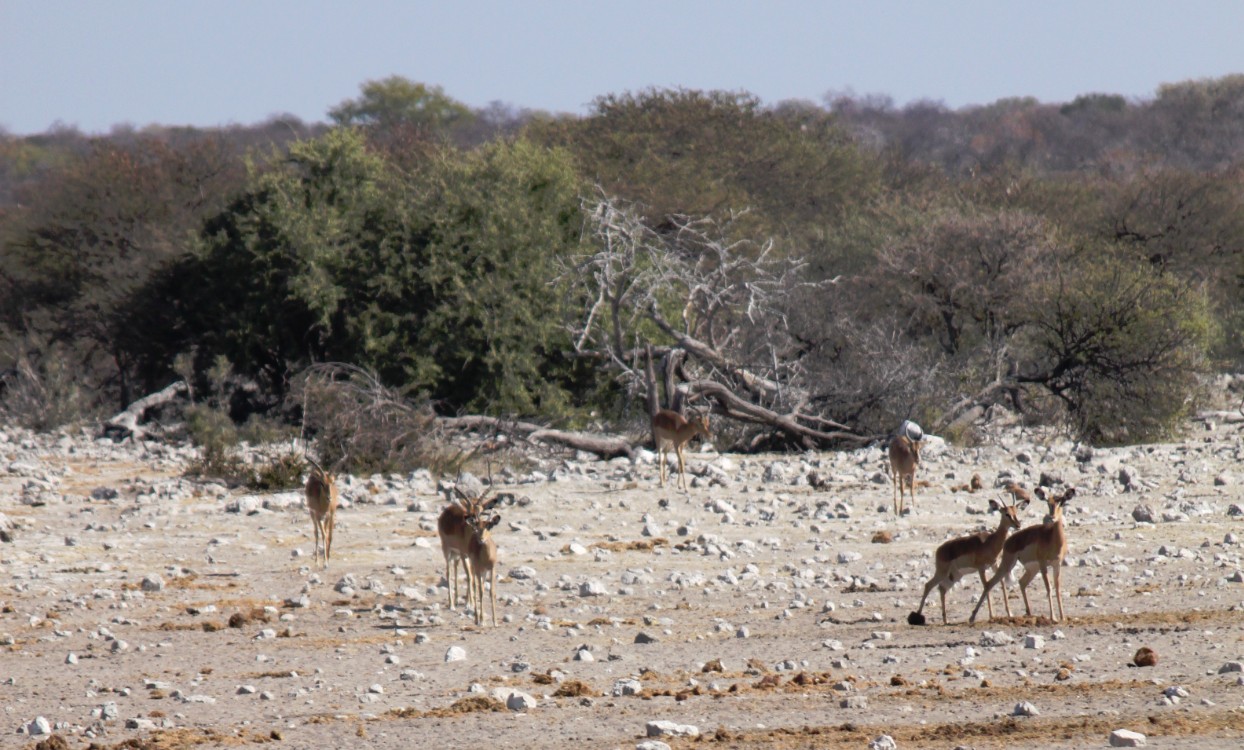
<point>97,64</point>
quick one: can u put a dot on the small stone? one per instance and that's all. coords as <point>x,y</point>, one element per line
<point>39,726</point>
<point>671,729</point>
<point>246,690</point>
<point>1176,693</point>
<point>1024,708</point>
<point>520,701</point>
<point>883,742</point>
<point>1034,641</point>
<point>642,637</point>
<point>627,686</point>
<point>1127,738</point>
<point>1231,666</point>
<point>593,588</point>
<point>652,745</point>
<point>1145,657</point>
<point>455,653</point>
<point>153,582</point>
<point>1143,514</point>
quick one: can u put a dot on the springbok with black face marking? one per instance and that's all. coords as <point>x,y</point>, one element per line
<point>322,498</point>
<point>958,557</point>
<point>453,527</point>
<point>671,430</point>
<point>1040,548</point>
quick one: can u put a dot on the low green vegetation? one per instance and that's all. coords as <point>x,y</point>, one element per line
<point>846,266</point>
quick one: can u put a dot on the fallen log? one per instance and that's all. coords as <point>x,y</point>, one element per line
<point>793,424</point>
<point>126,423</point>
<point>605,446</point>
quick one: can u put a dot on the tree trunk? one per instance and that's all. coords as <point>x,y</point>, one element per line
<point>126,423</point>
<point>605,446</point>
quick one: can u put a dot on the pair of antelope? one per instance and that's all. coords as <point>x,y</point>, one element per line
<point>1040,548</point>
<point>464,527</point>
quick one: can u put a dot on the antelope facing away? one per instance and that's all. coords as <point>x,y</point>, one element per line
<point>904,458</point>
<point>672,430</point>
<point>321,491</point>
<point>482,554</point>
<point>454,528</point>
<point>957,557</point>
<point>1040,548</point>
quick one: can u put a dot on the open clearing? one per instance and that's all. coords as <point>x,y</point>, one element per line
<point>773,620</point>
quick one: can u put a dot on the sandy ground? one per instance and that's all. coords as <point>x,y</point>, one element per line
<point>775,620</point>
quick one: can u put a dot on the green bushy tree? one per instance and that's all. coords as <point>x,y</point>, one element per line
<point>439,281</point>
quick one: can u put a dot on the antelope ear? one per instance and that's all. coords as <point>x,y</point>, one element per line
<point>496,519</point>
<point>1022,504</point>
<point>1041,493</point>
<point>994,505</point>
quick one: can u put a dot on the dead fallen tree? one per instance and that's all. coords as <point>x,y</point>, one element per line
<point>806,429</point>
<point>720,299</point>
<point>605,446</point>
<point>128,423</point>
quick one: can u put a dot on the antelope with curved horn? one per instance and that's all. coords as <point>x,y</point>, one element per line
<point>957,557</point>
<point>1040,548</point>
<point>453,526</point>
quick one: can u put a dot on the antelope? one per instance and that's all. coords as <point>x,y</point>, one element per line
<point>454,532</point>
<point>1040,548</point>
<point>904,457</point>
<point>979,551</point>
<point>482,554</point>
<point>672,430</point>
<point>454,528</point>
<point>321,492</point>
<point>1017,492</point>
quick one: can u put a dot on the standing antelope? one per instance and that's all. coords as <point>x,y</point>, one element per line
<point>455,536</point>
<point>1017,492</point>
<point>904,458</point>
<point>1040,548</point>
<point>321,491</point>
<point>482,553</point>
<point>454,528</point>
<point>672,430</point>
<point>978,552</point>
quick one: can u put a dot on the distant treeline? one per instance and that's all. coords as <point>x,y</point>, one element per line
<point>839,266</point>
